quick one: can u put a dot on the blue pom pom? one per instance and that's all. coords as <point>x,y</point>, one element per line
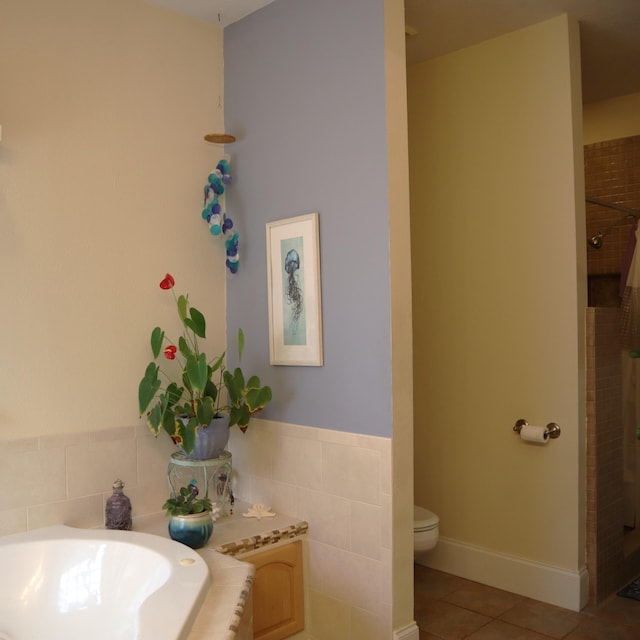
<point>232,242</point>
<point>232,266</point>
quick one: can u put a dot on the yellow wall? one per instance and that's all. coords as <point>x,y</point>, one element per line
<point>102,162</point>
<point>496,192</point>
<point>612,119</point>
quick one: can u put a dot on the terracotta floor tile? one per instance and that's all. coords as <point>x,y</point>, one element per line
<point>430,584</point>
<point>452,608</point>
<point>592,628</point>
<point>449,622</point>
<point>623,610</point>
<point>543,618</point>
<point>498,630</point>
<point>482,599</point>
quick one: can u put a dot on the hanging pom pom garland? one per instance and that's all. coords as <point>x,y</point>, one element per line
<point>214,214</point>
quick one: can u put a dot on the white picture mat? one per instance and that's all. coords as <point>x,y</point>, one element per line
<point>306,228</point>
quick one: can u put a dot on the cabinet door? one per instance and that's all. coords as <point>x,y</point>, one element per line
<point>278,600</point>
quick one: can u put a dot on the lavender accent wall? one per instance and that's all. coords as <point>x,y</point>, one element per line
<point>305,96</point>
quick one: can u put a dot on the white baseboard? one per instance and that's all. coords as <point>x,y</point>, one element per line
<point>410,632</point>
<point>547,583</point>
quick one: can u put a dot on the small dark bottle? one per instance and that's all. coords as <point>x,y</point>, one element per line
<point>118,509</point>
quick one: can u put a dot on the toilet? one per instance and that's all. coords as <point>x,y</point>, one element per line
<point>425,530</point>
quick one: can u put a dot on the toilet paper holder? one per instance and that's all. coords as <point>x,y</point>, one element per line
<point>552,430</point>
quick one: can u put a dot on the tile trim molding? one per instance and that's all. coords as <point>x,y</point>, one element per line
<point>543,582</point>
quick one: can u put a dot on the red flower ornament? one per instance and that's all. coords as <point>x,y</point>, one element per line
<point>170,352</point>
<point>168,282</point>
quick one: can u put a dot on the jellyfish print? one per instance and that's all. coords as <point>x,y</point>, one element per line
<point>293,298</point>
<point>293,292</point>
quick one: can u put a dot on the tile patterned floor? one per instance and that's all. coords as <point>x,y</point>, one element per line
<point>451,608</point>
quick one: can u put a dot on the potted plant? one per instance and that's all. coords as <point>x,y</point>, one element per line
<point>190,407</point>
<point>190,517</point>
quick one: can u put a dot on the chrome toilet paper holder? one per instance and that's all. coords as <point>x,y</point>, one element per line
<point>552,430</point>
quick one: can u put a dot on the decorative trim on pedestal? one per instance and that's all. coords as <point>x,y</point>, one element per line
<point>263,540</point>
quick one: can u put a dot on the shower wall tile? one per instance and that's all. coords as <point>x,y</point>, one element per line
<point>608,567</point>
<point>612,174</point>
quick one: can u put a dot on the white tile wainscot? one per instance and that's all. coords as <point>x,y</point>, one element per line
<point>226,612</point>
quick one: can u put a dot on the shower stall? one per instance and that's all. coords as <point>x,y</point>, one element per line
<point>612,179</point>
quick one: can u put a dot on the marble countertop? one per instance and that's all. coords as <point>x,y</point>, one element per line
<point>231,579</point>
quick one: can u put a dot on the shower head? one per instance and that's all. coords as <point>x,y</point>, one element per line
<point>596,241</point>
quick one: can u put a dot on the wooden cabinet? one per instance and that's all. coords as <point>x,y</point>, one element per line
<point>278,595</point>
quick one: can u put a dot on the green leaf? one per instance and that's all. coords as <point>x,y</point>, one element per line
<point>154,419</point>
<point>182,307</point>
<point>217,364</point>
<point>205,411</point>
<point>240,343</point>
<point>233,391</point>
<point>243,416</point>
<point>196,372</point>
<point>188,434</point>
<point>169,422</point>
<point>173,393</point>
<point>258,399</point>
<point>184,348</point>
<point>210,390</point>
<point>238,379</point>
<point>196,323</point>
<point>148,387</point>
<point>157,338</point>
<point>234,416</point>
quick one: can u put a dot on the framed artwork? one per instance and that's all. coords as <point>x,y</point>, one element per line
<point>293,272</point>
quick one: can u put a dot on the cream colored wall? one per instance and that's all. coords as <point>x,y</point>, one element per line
<point>612,119</point>
<point>102,162</point>
<point>495,187</point>
<point>401,329</point>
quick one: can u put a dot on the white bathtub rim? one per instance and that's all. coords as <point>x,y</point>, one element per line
<point>158,615</point>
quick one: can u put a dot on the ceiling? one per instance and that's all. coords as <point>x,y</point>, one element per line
<point>609,31</point>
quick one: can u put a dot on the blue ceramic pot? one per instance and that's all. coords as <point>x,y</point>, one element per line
<point>210,442</point>
<point>193,530</point>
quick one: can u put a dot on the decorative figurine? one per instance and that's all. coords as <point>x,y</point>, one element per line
<point>118,509</point>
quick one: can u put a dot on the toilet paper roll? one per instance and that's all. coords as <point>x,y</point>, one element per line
<point>534,434</point>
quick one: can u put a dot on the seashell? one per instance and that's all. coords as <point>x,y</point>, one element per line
<point>259,511</point>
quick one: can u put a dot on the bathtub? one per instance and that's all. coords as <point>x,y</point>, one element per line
<point>61,582</point>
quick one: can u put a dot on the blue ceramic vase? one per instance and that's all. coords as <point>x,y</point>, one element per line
<point>210,442</point>
<point>193,530</point>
